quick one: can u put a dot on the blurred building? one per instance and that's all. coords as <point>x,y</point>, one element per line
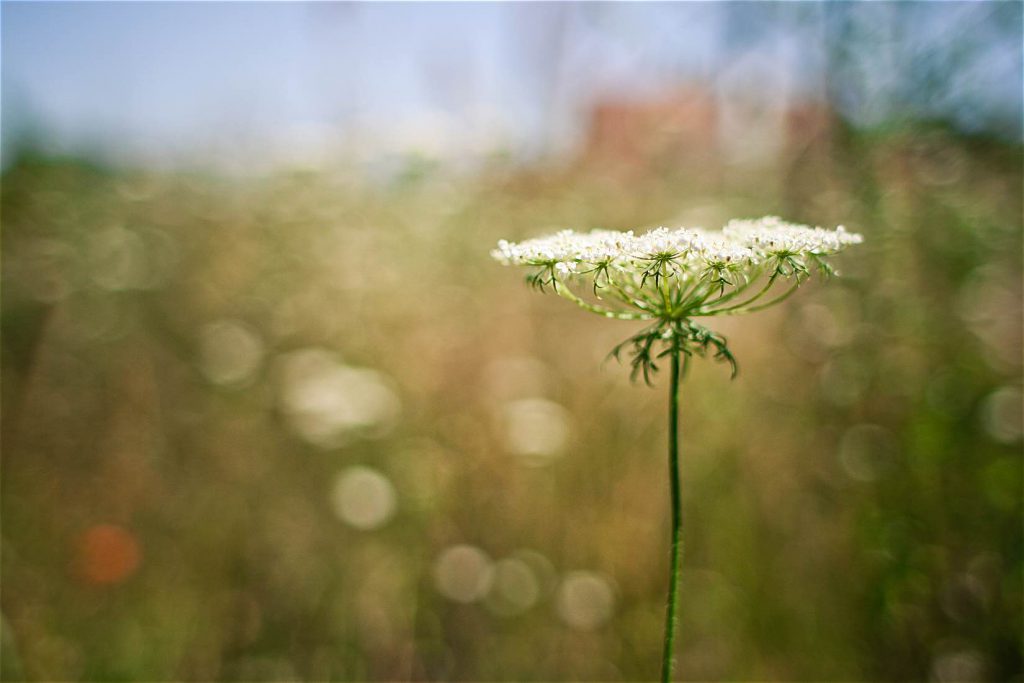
<point>638,132</point>
<point>695,127</point>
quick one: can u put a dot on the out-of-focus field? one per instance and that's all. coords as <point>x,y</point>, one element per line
<point>303,427</point>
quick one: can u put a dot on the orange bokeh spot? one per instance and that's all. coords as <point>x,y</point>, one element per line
<point>107,554</point>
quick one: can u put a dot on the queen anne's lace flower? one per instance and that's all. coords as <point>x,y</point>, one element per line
<point>669,277</point>
<point>673,275</point>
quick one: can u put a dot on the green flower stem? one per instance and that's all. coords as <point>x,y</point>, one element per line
<point>759,307</point>
<point>677,519</point>
<point>563,290</point>
<point>737,291</point>
<point>707,307</point>
<point>627,297</point>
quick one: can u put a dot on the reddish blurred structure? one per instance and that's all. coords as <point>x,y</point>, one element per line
<point>692,127</point>
<point>808,124</point>
<point>634,133</point>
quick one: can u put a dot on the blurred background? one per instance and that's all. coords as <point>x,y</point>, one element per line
<point>270,411</point>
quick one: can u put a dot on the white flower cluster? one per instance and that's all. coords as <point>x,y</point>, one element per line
<point>741,242</point>
<point>773,236</point>
<point>679,274</point>
<point>672,277</point>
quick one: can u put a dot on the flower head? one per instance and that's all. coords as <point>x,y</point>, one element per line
<point>670,276</point>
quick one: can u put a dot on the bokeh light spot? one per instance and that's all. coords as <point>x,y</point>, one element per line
<point>107,554</point>
<point>1002,414</point>
<point>118,260</point>
<point>230,352</point>
<point>535,428</point>
<point>865,451</point>
<point>515,588</point>
<point>327,402</point>
<point>585,600</point>
<point>463,573</point>
<point>363,498</point>
<point>959,666</point>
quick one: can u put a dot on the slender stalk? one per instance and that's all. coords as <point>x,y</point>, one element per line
<point>706,309</point>
<point>563,290</point>
<point>759,307</point>
<point>677,520</point>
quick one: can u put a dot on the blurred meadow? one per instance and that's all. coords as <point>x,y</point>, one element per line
<point>271,412</point>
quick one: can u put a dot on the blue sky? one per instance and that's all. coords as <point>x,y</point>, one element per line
<point>156,80</point>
